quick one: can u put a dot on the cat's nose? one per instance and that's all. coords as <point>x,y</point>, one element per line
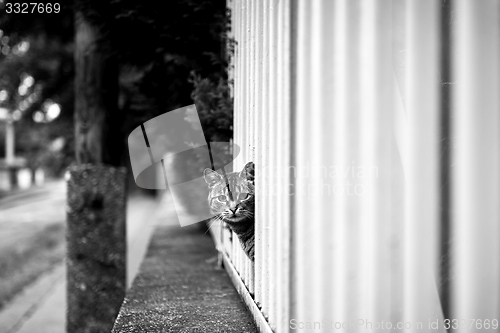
<point>233,206</point>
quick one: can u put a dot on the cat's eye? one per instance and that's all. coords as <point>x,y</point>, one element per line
<point>242,196</point>
<point>222,198</point>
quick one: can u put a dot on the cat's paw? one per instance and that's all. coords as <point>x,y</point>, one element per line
<point>217,260</point>
<point>220,261</point>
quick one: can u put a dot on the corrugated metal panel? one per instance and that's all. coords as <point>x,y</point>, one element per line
<point>339,104</point>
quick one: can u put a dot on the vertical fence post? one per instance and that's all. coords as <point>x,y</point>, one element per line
<point>476,163</point>
<point>96,247</point>
<point>374,184</point>
<point>422,166</point>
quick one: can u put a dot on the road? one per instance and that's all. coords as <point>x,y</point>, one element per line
<point>37,206</point>
<point>41,306</point>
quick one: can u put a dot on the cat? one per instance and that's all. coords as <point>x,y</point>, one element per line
<point>233,202</point>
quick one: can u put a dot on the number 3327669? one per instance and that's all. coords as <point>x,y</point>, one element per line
<point>32,7</point>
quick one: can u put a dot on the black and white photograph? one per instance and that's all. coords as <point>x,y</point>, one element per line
<point>249,166</point>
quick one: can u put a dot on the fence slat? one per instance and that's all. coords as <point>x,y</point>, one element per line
<point>274,239</point>
<point>476,160</point>
<point>283,144</point>
<point>303,299</point>
<point>422,166</point>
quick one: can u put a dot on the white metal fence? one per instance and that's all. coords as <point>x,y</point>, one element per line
<point>375,129</point>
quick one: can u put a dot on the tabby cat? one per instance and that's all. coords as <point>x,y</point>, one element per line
<point>232,201</point>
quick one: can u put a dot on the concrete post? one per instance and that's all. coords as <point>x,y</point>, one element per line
<point>96,246</point>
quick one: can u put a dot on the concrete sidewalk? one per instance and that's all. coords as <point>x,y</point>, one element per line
<point>41,307</point>
<point>179,289</point>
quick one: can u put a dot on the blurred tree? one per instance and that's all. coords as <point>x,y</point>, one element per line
<point>162,49</point>
<point>162,54</point>
<point>97,118</point>
<point>215,106</point>
<point>158,50</point>
<point>36,49</point>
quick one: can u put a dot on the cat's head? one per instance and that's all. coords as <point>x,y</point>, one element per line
<point>235,204</point>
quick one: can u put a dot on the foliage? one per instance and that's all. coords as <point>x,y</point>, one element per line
<point>39,46</point>
<point>215,107</point>
<point>185,37</point>
<point>164,53</point>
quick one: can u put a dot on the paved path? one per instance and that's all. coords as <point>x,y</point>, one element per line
<point>180,289</point>
<point>41,307</point>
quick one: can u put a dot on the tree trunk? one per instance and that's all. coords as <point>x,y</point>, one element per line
<point>96,237</point>
<point>98,122</point>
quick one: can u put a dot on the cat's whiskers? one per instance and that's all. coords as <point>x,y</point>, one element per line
<point>247,213</point>
<point>217,219</point>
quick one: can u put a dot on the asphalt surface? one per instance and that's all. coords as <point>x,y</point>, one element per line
<point>41,307</point>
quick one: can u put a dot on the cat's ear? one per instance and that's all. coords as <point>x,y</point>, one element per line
<point>211,177</point>
<point>248,172</point>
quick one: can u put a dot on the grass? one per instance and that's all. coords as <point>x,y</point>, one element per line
<point>23,260</point>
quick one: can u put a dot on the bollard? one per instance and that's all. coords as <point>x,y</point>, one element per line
<point>96,246</point>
